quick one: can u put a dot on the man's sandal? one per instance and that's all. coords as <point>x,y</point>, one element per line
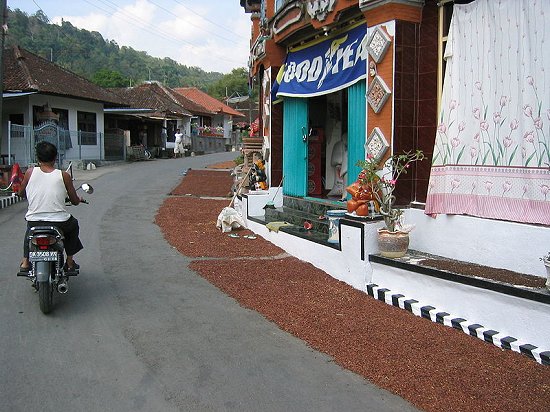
<point>73,268</point>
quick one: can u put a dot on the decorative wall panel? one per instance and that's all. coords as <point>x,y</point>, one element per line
<point>378,94</point>
<point>378,44</point>
<point>376,144</point>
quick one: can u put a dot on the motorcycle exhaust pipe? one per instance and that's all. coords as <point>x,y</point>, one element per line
<point>62,287</point>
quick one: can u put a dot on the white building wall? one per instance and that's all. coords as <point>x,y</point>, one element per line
<point>25,104</point>
<point>184,125</point>
<point>506,245</point>
<point>227,126</point>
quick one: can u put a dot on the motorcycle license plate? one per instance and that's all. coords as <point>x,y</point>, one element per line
<point>45,255</point>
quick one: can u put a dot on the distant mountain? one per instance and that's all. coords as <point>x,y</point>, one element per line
<point>91,56</point>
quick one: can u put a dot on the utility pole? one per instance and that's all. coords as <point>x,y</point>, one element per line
<point>4,29</point>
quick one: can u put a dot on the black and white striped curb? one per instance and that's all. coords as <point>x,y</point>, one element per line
<point>472,329</point>
<point>6,201</point>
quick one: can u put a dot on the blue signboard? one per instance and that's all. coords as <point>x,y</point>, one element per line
<point>324,67</point>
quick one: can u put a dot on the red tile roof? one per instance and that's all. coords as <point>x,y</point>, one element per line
<point>27,72</point>
<point>152,95</point>
<point>208,102</point>
<point>190,105</point>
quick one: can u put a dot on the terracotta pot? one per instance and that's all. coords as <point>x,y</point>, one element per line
<point>393,244</point>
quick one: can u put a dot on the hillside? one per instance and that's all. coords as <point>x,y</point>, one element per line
<point>102,61</point>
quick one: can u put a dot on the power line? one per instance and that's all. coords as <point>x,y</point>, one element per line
<point>59,31</point>
<point>208,20</point>
<point>130,18</point>
<point>191,23</point>
<point>143,25</point>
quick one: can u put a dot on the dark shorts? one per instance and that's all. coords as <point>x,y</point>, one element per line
<point>70,230</point>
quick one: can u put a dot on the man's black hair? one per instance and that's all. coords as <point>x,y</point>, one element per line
<point>46,152</point>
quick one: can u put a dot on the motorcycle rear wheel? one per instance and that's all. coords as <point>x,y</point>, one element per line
<point>45,296</point>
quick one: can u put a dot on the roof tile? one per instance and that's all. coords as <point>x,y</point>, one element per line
<point>152,95</point>
<point>27,72</point>
<point>208,102</point>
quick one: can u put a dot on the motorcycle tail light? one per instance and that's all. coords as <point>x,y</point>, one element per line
<point>43,241</point>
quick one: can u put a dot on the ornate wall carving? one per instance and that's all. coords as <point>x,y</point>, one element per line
<point>319,9</point>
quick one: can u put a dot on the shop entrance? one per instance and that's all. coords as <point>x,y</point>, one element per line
<point>327,147</point>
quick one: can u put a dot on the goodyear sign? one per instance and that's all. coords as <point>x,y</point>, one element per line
<point>324,67</point>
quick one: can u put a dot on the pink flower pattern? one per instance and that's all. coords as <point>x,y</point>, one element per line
<point>492,141</point>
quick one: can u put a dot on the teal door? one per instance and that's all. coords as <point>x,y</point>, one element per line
<point>357,124</point>
<point>295,146</point>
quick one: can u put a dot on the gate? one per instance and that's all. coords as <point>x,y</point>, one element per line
<point>19,146</point>
<point>114,145</point>
<point>49,132</point>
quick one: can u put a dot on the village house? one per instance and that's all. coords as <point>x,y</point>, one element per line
<point>151,118</point>
<point>36,93</point>
<point>97,124</point>
<point>156,111</point>
<point>216,121</point>
<point>340,81</point>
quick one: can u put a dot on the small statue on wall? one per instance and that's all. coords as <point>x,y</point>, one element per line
<point>258,177</point>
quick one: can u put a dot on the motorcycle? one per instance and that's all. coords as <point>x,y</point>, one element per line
<point>47,259</point>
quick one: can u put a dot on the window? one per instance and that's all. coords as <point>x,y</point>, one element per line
<point>87,128</point>
<point>17,119</point>
<point>445,14</point>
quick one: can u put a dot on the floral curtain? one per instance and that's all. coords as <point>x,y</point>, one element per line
<point>492,151</point>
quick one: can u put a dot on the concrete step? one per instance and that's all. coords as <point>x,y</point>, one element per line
<point>297,210</point>
<point>297,217</point>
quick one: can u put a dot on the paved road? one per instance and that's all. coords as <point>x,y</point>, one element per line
<point>139,331</point>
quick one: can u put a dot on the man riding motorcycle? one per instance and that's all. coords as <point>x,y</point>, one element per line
<point>46,189</point>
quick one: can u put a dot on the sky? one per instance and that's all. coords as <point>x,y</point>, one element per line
<point>211,34</point>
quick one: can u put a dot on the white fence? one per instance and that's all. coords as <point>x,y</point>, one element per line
<point>72,145</point>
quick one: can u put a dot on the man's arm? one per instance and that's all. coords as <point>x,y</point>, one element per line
<point>71,191</point>
<point>22,189</point>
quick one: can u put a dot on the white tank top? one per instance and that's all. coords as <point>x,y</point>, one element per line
<point>46,194</point>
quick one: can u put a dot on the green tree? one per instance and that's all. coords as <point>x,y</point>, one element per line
<point>231,84</point>
<point>110,78</point>
<point>88,53</point>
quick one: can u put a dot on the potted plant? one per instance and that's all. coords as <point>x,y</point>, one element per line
<point>380,181</point>
<point>546,260</point>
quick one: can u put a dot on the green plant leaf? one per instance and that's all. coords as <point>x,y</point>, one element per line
<point>500,148</point>
<point>512,155</point>
<point>460,154</point>
<point>546,149</point>
<point>529,159</point>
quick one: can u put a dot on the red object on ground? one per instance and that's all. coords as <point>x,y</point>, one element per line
<point>16,177</point>
<point>255,127</point>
